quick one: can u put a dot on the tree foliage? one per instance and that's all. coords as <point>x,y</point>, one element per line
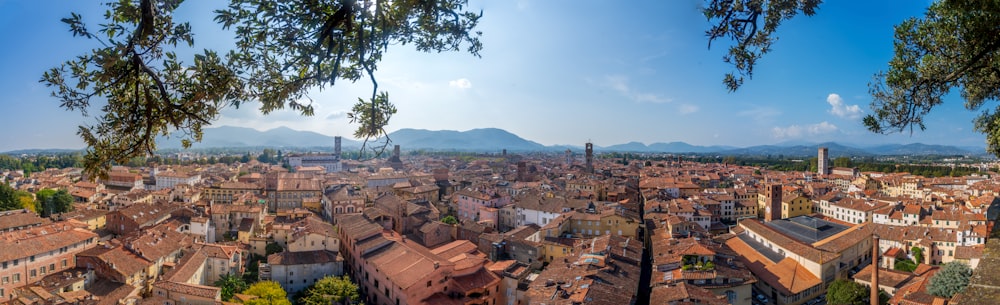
<point>53,201</point>
<point>750,25</point>
<point>148,90</point>
<point>951,279</point>
<point>273,248</point>
<point>905,265</point>
<point>268,293</point>
<point>918,254</point>
<point>8,198</point>
<point>331,290</point>
<point>283,50</point>
<point>844,291</point>
<point>955,45</point>
<point>449,220</point>
<point>230,284</point>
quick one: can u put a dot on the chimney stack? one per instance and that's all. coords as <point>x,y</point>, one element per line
<point>875,263</point>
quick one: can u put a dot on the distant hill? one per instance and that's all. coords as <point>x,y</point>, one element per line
<point>921,149</point>
<point>485,139</point>
<point>42,151</point>
<point>672,147</point>
<point>230,136</point>
<point>494,140</point>
<point>836,150</point>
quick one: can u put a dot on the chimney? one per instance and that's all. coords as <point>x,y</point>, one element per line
<point>875,263</point>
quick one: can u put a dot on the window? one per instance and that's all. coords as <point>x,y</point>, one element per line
<point>33,273</point>
<point>428,283</point>
<point>6,280</point>
<point>17,277</point>
<point>52,267</point>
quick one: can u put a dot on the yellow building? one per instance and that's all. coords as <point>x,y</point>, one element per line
<point>794,204</point>
<point>227,192</point>
<point>582,224</point>
<point>554,249</point>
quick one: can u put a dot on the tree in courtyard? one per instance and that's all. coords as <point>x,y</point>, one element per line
<point>53,201</point>
<point>283,50</point>
<point>268,293</point>
<point>230,284</point>
<point>273,248</point>
<point>905,265</point>
<point>844,291</point>
<point>331,290</point>
<point>449,220</point>
<point>954,45</point>
<point>951,279</point>
<point>918,255</point>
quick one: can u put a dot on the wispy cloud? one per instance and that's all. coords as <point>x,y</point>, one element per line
<point>838,108</point>
<point>461,83</point>
<point>620,83</point>
<point>687,108</point>
<point>798,131</point>
<point>760,114</point>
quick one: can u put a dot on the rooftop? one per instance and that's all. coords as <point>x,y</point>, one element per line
<point>806,229</point>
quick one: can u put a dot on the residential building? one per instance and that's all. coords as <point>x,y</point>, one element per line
<point>29,254</point>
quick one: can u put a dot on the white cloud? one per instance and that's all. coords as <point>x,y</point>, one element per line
<point>797,131</point>
<point>461,83</point>
<point>759,114</point>
<point>687,109</point>
<point>841,110</point>
<point>620,84</point>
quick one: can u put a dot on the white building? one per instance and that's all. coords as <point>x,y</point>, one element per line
<point>327,161</point>
<point>172,179</point>
<point>296,271</point>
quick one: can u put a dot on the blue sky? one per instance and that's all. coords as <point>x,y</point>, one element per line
<point>554,72</point>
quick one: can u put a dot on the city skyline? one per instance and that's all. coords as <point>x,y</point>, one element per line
<point>554,73</point>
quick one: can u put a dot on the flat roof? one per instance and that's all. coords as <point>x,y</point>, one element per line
<point>806,229</point>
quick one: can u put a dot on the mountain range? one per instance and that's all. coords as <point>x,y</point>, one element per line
<point>495,140</point>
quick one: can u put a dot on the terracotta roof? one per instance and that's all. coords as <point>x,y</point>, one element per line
<point>792,245</point>
<point>303,258</point>
<point>189,289</point>
<point>682,293</point>
<point>786,275</point>
<point>47,238</point>
<point>20,218</point>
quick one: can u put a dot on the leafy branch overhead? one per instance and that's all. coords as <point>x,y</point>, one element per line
<point>283,50</point>
<point>750,26</point>
<point>955,45</point>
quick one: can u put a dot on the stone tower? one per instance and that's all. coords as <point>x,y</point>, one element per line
<point>336,147</point>
<point>772,207</point>
<point>823,164</point>
<point>590,157</point>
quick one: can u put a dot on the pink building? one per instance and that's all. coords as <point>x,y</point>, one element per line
<point>28,255</point>
<point>470,203</point>
<point>394,270</point>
